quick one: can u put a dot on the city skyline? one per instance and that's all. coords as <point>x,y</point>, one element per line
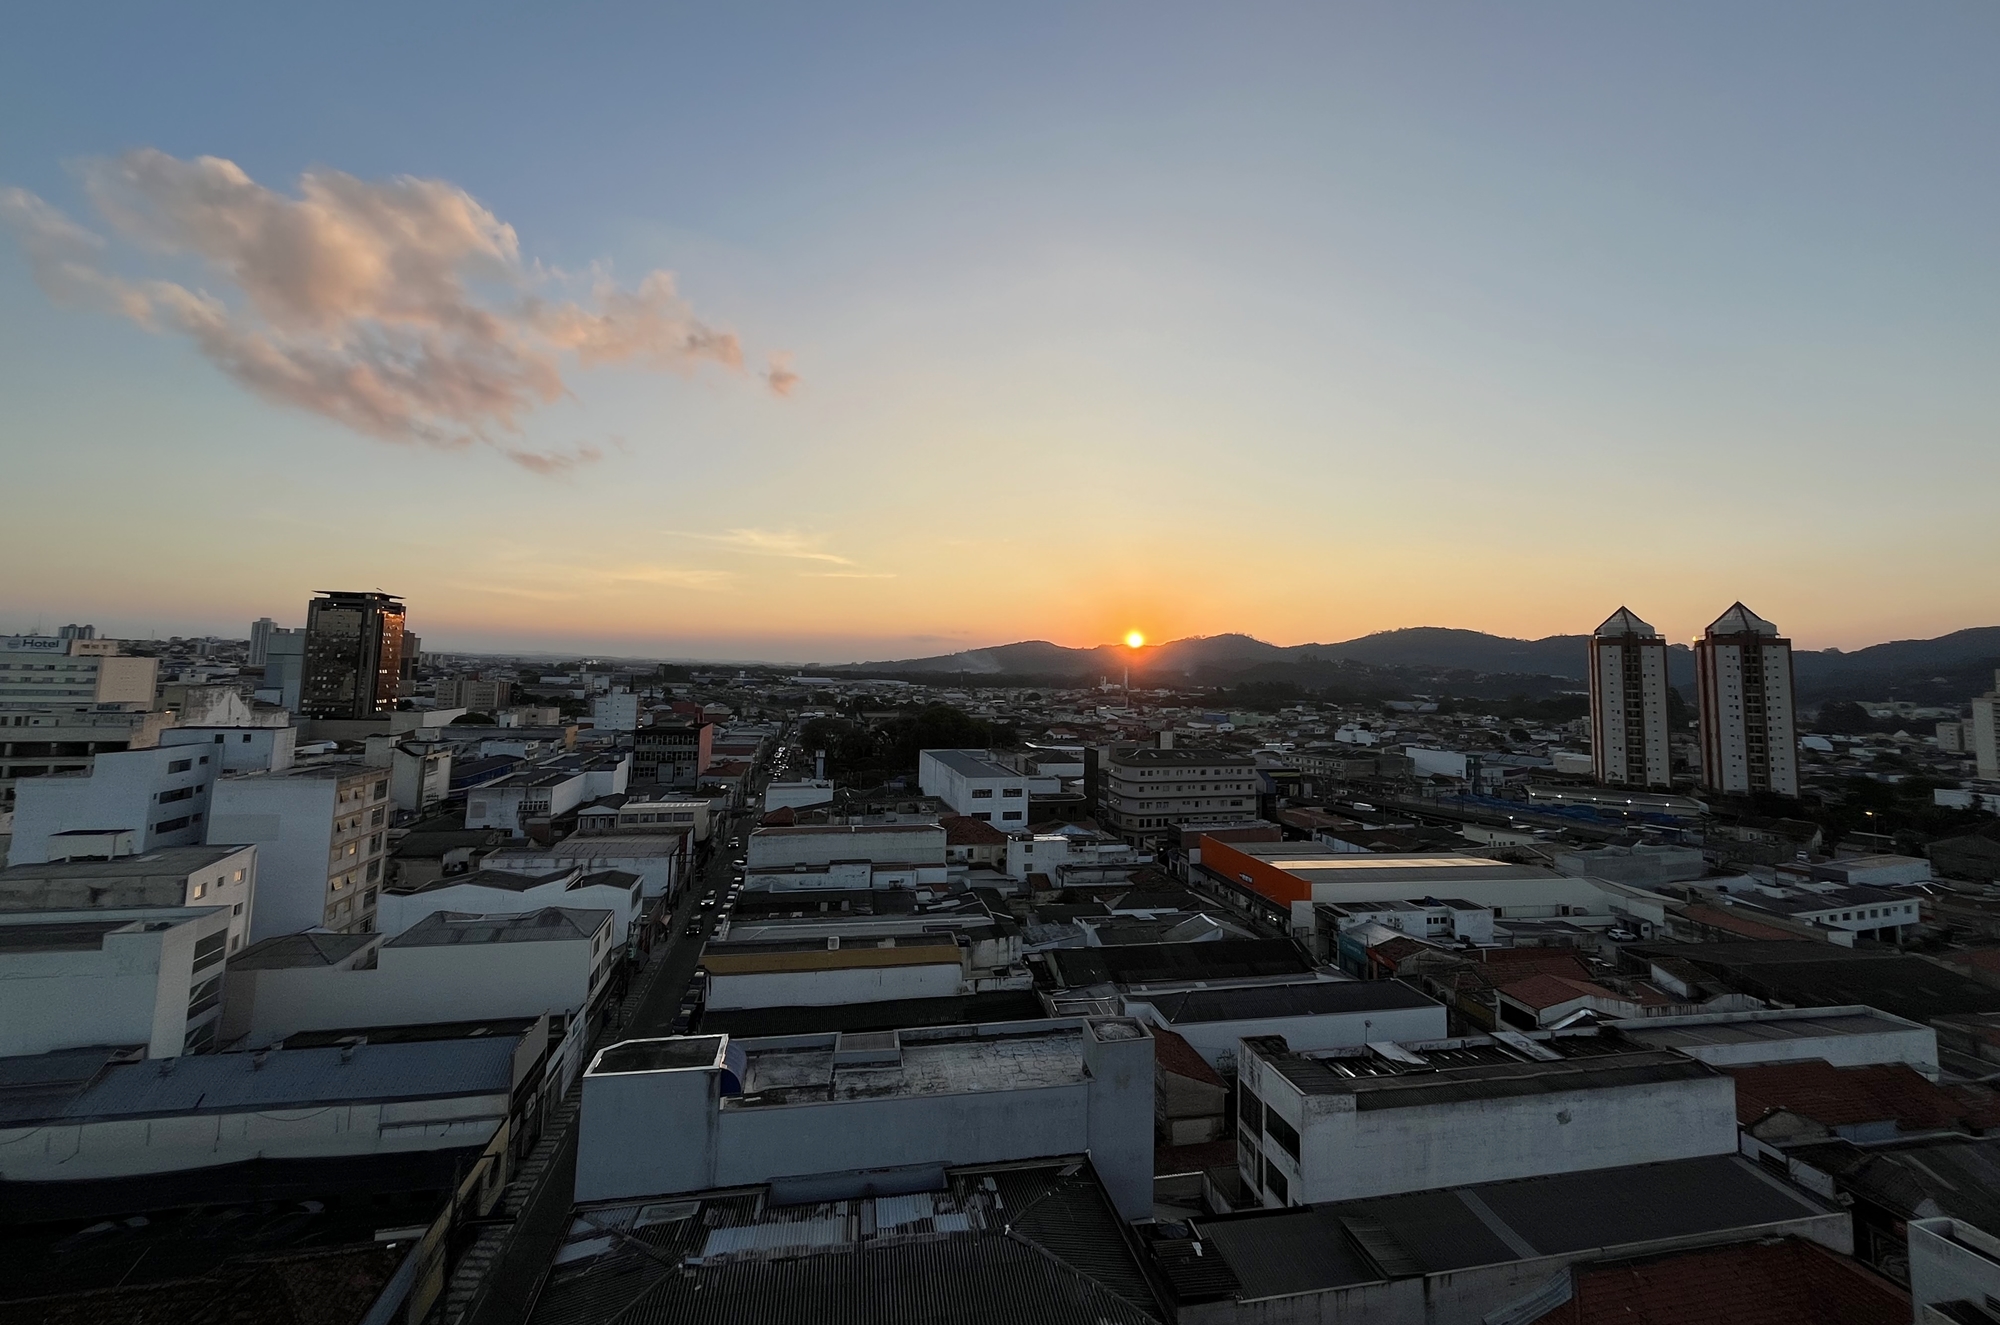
<point>1304,326</point>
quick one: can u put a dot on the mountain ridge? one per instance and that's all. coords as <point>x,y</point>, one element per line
<point>1947,664</point>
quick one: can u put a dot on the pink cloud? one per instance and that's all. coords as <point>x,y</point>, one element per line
<point>398,308</point>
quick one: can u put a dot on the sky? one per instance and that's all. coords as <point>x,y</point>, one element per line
<point>826,333</point>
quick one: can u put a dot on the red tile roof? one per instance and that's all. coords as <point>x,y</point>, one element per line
<point>1715,917</point>
<point>1846,1096</point>
<point>782,817</point>
<point>962,830</point>
<point>1546,991</point>
<point>1788,1282</point>
<point>1171,1053</point>
<point>1504,964</point>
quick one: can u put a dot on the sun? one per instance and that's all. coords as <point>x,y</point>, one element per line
<point>1133,639</point>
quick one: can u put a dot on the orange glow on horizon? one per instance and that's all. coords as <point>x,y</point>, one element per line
<point>1133,639</point>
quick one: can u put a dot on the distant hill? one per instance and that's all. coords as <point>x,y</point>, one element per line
<point>1470,662</point>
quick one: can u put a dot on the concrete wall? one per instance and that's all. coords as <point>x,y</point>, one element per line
<point>240,749</point>
<point>127,1147</point>
<point>865,984</point>
<point>655,1133</point>
<point>1346,1153</point>
<point>899,844</point>
<point>797,795</point>
<point>1900,1042</point>
<point>1951,1261</point>
<point>290,820</point>
<point>133,989</point>
<point>132,789</point>
<point>396,912</point>
<point>1217,1041</point>
<point>412,986</point>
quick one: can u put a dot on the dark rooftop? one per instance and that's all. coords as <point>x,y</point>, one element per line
<point>1159,963</point>
<point>896,1014</point>
<point>1810,974</point>
<point>657,1055</point>
<point>1484,1070</point>
<point>1034,1242</point>
<point>307,949</point>
<point>1303,999</point>
<point>551,923</point>
<point>1305,1249</point>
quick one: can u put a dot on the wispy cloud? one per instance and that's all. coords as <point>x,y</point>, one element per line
<point>769,543</point>
<point>399,308</point>
<point>849,575</point>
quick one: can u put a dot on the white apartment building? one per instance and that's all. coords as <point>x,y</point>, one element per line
<point>1749,733</point>
<point>975,785</point>
<point>77,675</point>
<point>499,892</point>
<point>161,796</point>
<point>618,711</point>
<point>168,878</point>
<point>1628,703</point>
<point>77,978</point>
<point>38,742</point>
<point>449,966</point>
<point>693,1113</point>
<point>321,830</point>
<point>419,770</point>
<point>1390,1118</point>
<point>1982,733</point>
<point>1145,792</point>
<point>679,815</point>
<point>241,749</point>
<point>818,845</point>
<point>512,801</point>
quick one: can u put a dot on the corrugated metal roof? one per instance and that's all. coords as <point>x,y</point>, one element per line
<point>998,1246</point>
<point>293,1078</point>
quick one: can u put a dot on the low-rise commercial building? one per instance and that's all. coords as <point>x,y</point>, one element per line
<point>210,1111</point>
<point>168,878</point>
<point>1339,1125</point>
<point>974,784</point>
<point>1308,1014</point>
<point>161,796</point>
<point>321,832</point>
<point>844,1114</point>
<point>148,977</point>
<point>1145,792</point>
<point>38,742</point>
<point>447,967</point>
<point>495,892</point>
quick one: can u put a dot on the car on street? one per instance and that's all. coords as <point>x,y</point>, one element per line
<point>693,929</point>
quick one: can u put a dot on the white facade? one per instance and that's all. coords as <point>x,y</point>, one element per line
<point>1628,704</point>
<point>933,971</point>
<point>1749,733</point>
<point>240,749</point>
<point>819,845</point>
<point>1305,1137</point>
<point>1218,1040</point>
<point>1849,1035</point>
<point>616,712</point>
<point>797,795</point>
<point>1982,733</point>
<point>284,668</point>
<point>219,1109</point>
<point>161,796</point>
<point>38,742</point>
<point>661,860</point>
<point>168,878</point>
<point>321,832</point>
<point>974,784</point>
<point>1951,1261</point>
<point>512,801</point>
<point>80,675</point>
<point>1049,852</point>
<point>450,967</point>
<point>697,1113</point>
<point>74,979</point>
<point>502,892</point>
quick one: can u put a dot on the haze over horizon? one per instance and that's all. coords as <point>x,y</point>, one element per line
<point>809,336</point>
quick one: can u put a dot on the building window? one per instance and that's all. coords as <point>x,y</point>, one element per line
<point>381,790</point>
<point>1283,1133</point>
<point>200,891</point>
<point>1011,814</point>
<point>180,765</point>
<point>1275,1181</point>
<point>1011,791</point>
<point>170,825</point>
<point>982,793</point>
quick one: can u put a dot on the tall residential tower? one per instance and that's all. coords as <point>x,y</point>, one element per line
<point>1749,736</point>
<point>354,655</point>
<point>1628,703</point>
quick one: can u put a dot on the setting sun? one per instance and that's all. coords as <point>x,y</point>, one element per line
<point>1133,639</point>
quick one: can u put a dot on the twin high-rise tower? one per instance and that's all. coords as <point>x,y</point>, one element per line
<point>1743,683</point>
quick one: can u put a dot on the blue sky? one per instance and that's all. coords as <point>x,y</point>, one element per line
<point>1302,321</point>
